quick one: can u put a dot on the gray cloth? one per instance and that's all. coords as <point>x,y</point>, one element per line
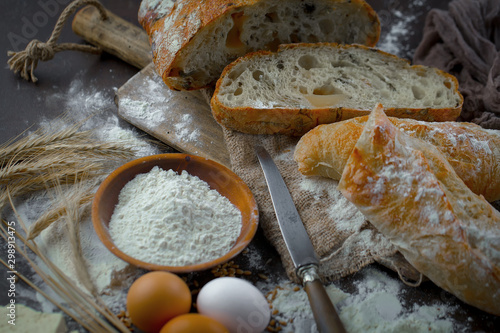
<point>465,41</point>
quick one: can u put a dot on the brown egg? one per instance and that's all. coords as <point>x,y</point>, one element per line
<point>193,323</point>
<point>155,298</point>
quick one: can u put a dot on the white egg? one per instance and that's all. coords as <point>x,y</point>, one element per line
<point>235,303</point>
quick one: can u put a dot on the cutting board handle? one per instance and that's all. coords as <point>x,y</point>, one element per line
<point>113,35</point>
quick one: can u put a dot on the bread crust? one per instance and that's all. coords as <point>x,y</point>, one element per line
<point>411,194</point>
<point>298,121</point>
<point>473,152</point>
<point>172,33</point>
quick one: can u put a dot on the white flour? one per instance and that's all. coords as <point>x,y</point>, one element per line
<point>87,105</point>
<point>150,110</point>
<point>396,40</point>
<point>184,130</point>
<point>112,132</point>
<point>378,305</point>
<point>143,110</point>
<point>170,219</point>
<point>345,215</point>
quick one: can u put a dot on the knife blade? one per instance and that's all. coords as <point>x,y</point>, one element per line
<point>299,246</point>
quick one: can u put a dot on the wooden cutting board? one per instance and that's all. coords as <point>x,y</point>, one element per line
<point>180,119</point>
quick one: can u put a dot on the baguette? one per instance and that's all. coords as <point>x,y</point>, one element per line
<point>473,152</point>
<point>303,85</point>
<point>192,42</point>
<point>406,188</point>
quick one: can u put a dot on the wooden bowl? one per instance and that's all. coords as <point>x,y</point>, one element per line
<point>219,178</point>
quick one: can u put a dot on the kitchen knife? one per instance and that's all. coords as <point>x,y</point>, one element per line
<point>299,246</point>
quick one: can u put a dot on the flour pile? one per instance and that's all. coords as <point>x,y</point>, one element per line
<point>171,219</point>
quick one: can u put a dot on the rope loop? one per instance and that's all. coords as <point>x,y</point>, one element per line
<point>26,61</point>
<point>39,50</point>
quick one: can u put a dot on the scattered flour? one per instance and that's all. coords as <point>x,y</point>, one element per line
<point>184,131</point>
<point>345,215</point>
<point>169,219</point>
<point>150,111</point>
<point>253,257</point>
<point>396,40</point>
<point>143,110</point>
<point>112,132</point>
<point>80,101</point>
<point>378,305</point>
<point>166,111</point>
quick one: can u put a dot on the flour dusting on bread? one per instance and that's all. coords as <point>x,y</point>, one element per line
<point>407,189</point>
<point>473,151</point>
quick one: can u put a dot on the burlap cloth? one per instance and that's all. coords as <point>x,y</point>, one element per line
<point>341,236</point>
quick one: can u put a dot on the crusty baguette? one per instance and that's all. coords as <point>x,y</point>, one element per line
<point>192,42</point>
<point>473,152</point>
<point>303,85</point>
<point>406,188</point>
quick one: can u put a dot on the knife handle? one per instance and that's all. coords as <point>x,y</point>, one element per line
<point>325,315</point>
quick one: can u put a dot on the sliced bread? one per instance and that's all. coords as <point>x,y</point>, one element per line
<point>193,41</point>
<point>302,85</point>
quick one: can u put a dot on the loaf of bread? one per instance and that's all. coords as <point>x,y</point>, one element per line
<point>407,189</point>
<point>193,41</point>
<point>303,85</point>
<point>473,152</point>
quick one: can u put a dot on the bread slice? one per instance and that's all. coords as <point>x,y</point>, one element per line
<point>192,42</point>
<point>406,188</point>
<point>303,85</point>
<point>473,152</point>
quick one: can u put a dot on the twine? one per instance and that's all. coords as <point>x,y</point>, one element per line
<point>26,61</point>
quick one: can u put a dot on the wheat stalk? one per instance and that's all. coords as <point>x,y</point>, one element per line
<point>83,148</point>
<point>14,150</point>
<point>12,173</point>
<point>42,161</point>
<point>73,207</point>
<point>37,183</point>
<point>79,197</point>
<point>81,308</point>
<point>51,299</point>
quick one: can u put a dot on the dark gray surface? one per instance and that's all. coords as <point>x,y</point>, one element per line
<point>24,104</point>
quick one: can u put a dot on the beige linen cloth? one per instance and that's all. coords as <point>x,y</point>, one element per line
<point>341,236</point>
